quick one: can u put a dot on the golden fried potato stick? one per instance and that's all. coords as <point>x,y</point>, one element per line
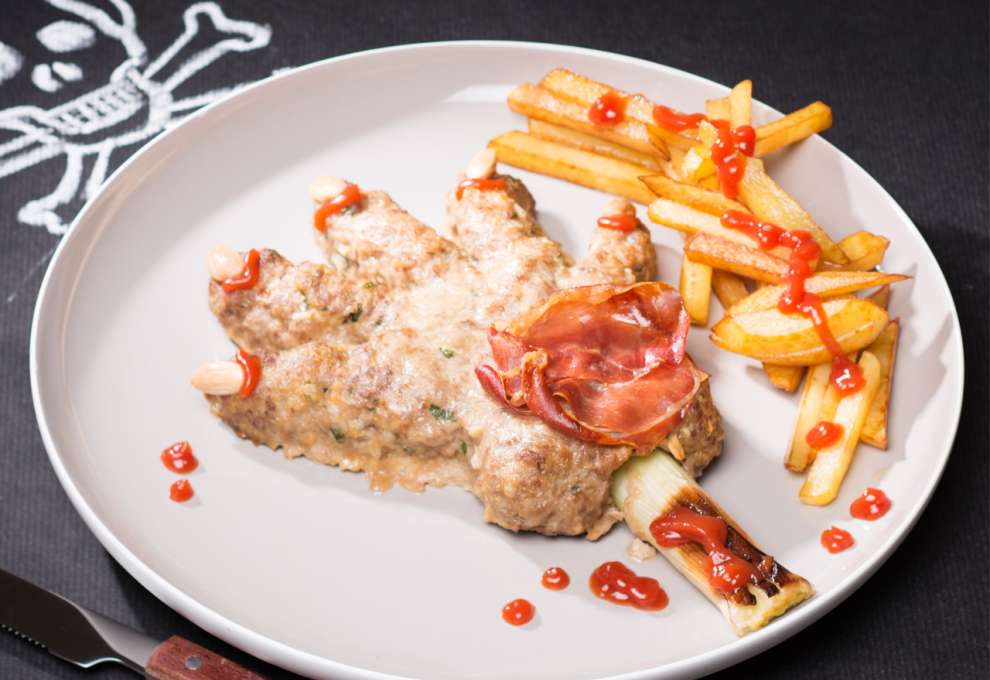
<point>831,463</point>
<point>792,340</point>
<point>524,151</point>
<point>885,349</point>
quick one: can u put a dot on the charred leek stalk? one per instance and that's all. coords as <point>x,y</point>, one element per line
<point>648,487</point>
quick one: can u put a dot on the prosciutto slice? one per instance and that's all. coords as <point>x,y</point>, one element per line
<point>605,364</point>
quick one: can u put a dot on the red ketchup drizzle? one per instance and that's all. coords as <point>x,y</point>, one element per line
<point>518,612</point>
<point>729,572</point>
<point>179,458</point>
<point>617,583</point>
<point>333,205</point>
<point>609,109</point>
<point>728,164</point>
<point>846,375</point>
<point>675,121</point>
<point>836,540</point>
<point>555,578</point>
<point>618,222</point>
<point>180,491</point>
<point>480,185</point>
<point>823,435</point>
<point>251,366</point>
<point>248,276</point>
<point>872,505</point>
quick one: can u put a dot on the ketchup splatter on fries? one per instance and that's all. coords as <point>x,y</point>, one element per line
<point>617,583</point>
<point>609,109</point>
<point>555,578</point>
<point>618,222</point>
<point>335,204</point>
<point>872,505</point>
<point>518,612</point>
<point>846,375</point>
<point>251,366</point>
<point>480,185</point>
<point>675,121</point>
<point>248,276</point>
<point>823,435</point>
<point>835,540</point>
<point>729,572</point>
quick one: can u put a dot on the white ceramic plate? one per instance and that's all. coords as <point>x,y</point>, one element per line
<point>300,564</point>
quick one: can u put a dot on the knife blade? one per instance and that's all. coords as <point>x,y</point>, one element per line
<point>85,638</point>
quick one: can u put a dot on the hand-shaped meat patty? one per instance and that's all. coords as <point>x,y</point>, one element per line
<point>368,363</point>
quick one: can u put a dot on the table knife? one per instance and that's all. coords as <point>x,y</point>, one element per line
<point>82,637</point>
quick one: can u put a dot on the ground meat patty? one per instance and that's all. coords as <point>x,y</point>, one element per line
<point>369,363</point>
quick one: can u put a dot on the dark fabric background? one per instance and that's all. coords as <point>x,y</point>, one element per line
<point>908,82</point>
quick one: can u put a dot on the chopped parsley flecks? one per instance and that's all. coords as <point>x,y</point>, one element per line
<point>354,316</point>
<point>337,434</point>
<point>441,413</point>
<point>447,352</point>
<point>464,448</point>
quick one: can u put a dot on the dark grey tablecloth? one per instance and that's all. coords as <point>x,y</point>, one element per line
<point>908,82</point>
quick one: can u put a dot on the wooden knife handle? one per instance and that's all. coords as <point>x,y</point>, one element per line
<point>179,659</point>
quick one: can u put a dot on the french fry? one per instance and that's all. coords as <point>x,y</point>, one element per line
<point>831,463</point>
<point>696,289</point>
<point>697,164</point>
<point>786,378</point>
<point>792,340</point>
<point>741,104</point>
<point>864,250</point>
<point>683,218</point>
<point>825,284</point>
<point>584,91</point>
<point>541,104</point>
<point>710,183</point>
<point>770,203</point>
<point>581,167</point>
<point>816,384</point>
<point>670,140</point>
<point>884,348</point>
<point>728,288</point>
<point>881,298</point>
<point>793,127</point>
<point>717,109</point>
<point>592,143</point>
<point>711,202</point>
<point>735,257</point>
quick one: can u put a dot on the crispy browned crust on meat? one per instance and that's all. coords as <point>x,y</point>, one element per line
<point>697,440</point>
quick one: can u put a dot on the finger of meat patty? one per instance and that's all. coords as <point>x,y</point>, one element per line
<point>614,257</point>
<point>498,230</point>
<point>377,239</point>
<point>363,407</point>
<point>294,304</point>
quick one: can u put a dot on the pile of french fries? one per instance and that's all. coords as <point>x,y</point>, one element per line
<point>672,173</point>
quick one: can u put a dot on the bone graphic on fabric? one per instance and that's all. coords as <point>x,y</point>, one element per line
<point>87,129</point>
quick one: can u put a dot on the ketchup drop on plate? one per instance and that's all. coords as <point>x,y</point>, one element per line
<point>836,540</point>
<point>180,491</point>
<point>617,583</point>
<point>518,612</point>
<point>555,578</point>
<point>179,458</point>
<point>872,505</point>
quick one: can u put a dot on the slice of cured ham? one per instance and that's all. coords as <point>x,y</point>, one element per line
<point>604,363</point>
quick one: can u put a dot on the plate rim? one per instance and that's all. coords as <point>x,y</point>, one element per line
<point>289,657</point>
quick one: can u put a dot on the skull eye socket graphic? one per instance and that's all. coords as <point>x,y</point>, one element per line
<point>114,111</point>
